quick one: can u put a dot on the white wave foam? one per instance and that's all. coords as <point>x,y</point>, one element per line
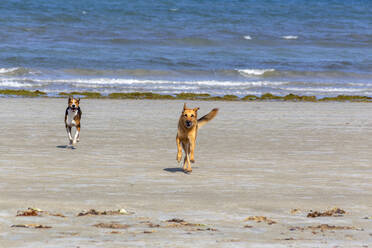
<point>99,82</point>
<point>7,70</point>
<point>290,37</point>
<point>254,72</point>
<point>18,71</point>
<point>15,84</point>
<point>247,37</point>
<point>212,87</point>
<point>323,89</point>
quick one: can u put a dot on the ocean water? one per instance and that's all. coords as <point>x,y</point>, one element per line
<point>321,48</point>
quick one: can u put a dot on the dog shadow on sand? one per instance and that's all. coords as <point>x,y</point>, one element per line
<point>66,147</point>
<point>176,169</point>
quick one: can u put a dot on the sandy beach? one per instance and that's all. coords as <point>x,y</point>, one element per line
<point>273,159</point>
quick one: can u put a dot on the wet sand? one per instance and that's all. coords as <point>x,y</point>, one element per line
<point>254,159</point>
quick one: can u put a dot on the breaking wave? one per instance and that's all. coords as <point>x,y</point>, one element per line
<point>15,71</point>
<point>254,72</point>
<point>215,82</point>
<point>290,37</point>
<point>213,87</point>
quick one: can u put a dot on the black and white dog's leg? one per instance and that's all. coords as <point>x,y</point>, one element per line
<point>68,129</point>
<point>78,131</point>
<point>77,135</point>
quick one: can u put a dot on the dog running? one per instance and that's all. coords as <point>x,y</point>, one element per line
<point>188,126</point>
<point>72,119</point>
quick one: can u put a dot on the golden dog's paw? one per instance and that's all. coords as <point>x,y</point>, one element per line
<point>192,160</point>
<point>179,158</point>
<point>187,170</point>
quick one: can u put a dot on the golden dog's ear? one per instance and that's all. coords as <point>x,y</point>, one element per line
<point>184,106</point>
<point>196,109</point>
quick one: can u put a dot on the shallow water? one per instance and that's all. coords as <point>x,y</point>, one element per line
<point>237,47</point>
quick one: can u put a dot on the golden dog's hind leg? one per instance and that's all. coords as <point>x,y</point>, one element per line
<point>179,149</point>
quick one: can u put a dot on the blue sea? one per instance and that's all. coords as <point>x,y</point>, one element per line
<point>321,48</point>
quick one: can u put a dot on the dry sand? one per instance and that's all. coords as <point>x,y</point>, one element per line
<point>254,159</point>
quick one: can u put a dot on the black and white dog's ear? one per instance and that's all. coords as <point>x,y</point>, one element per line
<point>70,98</point>
<point>78,100</point>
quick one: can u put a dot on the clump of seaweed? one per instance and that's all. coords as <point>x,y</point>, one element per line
<point>269,96</point>
<point>250,98</point>
<point>324,227</point>
<point>260,219</point>
<point>337,212</point>
<point>152,225</point>
<point>37,212</point>
<point>36,226</point>
<point>86,94</point>
<point>297,98</point>
<point>29,212</point>
<point>214,98</point>
<point>112,225</point>
<point>25,93</point>
<point>180,222</point>
<point>192,96</point>
<point>106,212</point>
<point>295,210</point>
<point>207,229</point>
<point>139,95</point>
<point>344,98</point>
<point>230,98</point>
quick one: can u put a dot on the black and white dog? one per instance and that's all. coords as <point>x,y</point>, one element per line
<point>72,119</point>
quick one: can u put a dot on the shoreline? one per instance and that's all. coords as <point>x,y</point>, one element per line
<point>188,96</point>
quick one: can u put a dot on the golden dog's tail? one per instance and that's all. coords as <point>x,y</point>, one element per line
<point>208,117</point>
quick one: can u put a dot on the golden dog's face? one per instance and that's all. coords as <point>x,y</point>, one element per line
<point>73,103</point>
<point>189,116</point>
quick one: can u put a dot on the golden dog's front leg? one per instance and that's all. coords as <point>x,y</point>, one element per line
<point>188,169</point>
<point>186,161</point>
<point>192,148</point>
<point>179,149</point>
<point>187,164</point>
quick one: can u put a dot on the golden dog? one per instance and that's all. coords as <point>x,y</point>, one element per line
<point>188,126</point>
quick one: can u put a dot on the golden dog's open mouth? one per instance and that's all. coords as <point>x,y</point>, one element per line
<point>188,124</point>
